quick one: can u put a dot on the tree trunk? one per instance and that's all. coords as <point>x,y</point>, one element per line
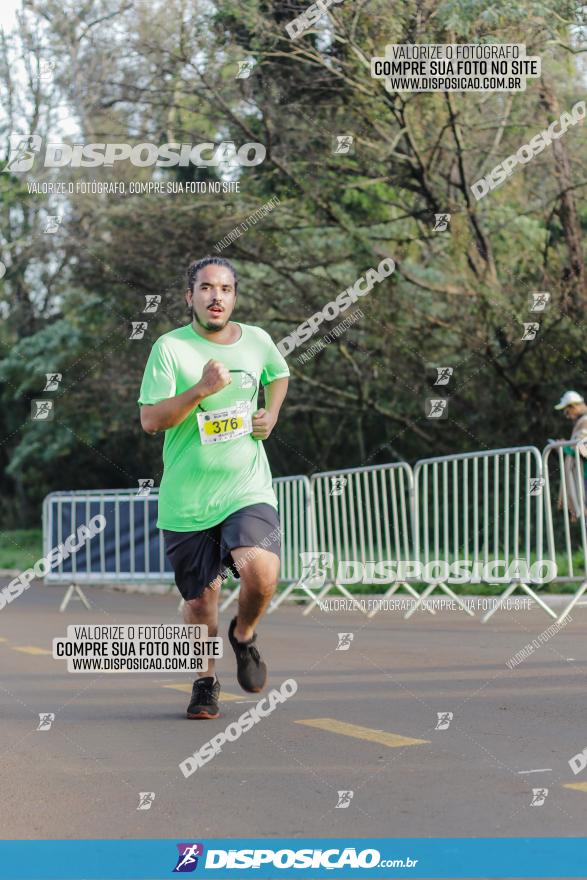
<point>567,211</point>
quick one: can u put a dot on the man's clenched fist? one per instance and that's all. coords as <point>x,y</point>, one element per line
<point>215,377</point>
<point>263,424</point>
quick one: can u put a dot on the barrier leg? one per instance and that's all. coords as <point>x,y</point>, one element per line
<point>231,598</point>
<point>280,597</point>
<point>574,600</point>
<point>299,585</point>
<point>446,589</point>
<point>413,592</point>
<point>348,595</point>
<point>342,589</point>
<point>74,592</point>
<point>317,597</point>
<point>502,598</point>
<point>507,593</point>
<point>421,598</point>
<point>457,599</point>
<point>537,599</point>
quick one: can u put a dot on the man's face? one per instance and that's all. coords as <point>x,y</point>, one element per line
<point>213,299</point>
<point>571,412</point>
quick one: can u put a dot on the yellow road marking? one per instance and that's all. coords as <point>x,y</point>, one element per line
<point>31,649</point>
<point>578,786</point>
<point>188,689</point>
<point>392,740</point>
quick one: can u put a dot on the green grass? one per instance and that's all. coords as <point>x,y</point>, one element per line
<point>20,548</point>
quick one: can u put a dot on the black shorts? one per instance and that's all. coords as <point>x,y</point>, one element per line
<point>198,558</point>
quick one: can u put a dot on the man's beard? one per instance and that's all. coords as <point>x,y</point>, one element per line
<point>211,328</point>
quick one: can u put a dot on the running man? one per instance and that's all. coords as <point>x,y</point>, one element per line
<point>217,507</point>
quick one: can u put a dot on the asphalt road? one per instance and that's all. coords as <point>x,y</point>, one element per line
<point>363,720</point>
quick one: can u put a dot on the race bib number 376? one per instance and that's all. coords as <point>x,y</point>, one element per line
<point>220,425</point>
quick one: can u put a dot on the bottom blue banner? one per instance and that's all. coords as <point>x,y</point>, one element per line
<point>285,857</point>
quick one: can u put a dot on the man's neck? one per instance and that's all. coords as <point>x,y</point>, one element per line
<point>229,334</point>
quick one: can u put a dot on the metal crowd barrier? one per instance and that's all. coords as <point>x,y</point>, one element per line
<point>482,508</point>
<point>131,548</point>
<point>360,516</point>
<point>566,510</point>
<point>485,509</point>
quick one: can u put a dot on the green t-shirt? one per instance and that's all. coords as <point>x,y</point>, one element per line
<point>202,484</point>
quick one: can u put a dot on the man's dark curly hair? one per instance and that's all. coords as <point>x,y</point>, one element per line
<point>195,267</point>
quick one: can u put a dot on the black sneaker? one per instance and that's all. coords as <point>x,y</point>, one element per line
<point>204,701</point>
<point>251,671</point>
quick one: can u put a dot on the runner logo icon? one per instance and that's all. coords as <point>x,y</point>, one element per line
<point>444,719</point>
<point>344,799</point>
<point>23,150</point>
<point>539,795</point>
<point>344,641</point>
<point>314,565</point>
<point>187,859</point>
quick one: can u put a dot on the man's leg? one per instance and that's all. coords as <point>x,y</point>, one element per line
<point>259,573</point>
<point>251,545</point>
<point>195,558</point>
<point>204,611</point>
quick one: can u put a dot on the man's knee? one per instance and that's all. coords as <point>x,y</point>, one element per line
<point>266,586</point>
<point>262,578</point>
<point>203,604</point>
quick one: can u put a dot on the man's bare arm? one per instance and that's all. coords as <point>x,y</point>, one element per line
<point>275,395</point>
<point>264,420</point>
<point>168,413</point>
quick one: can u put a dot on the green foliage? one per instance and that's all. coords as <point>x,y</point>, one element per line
<point>456,298</point>
<point>20,548</point>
